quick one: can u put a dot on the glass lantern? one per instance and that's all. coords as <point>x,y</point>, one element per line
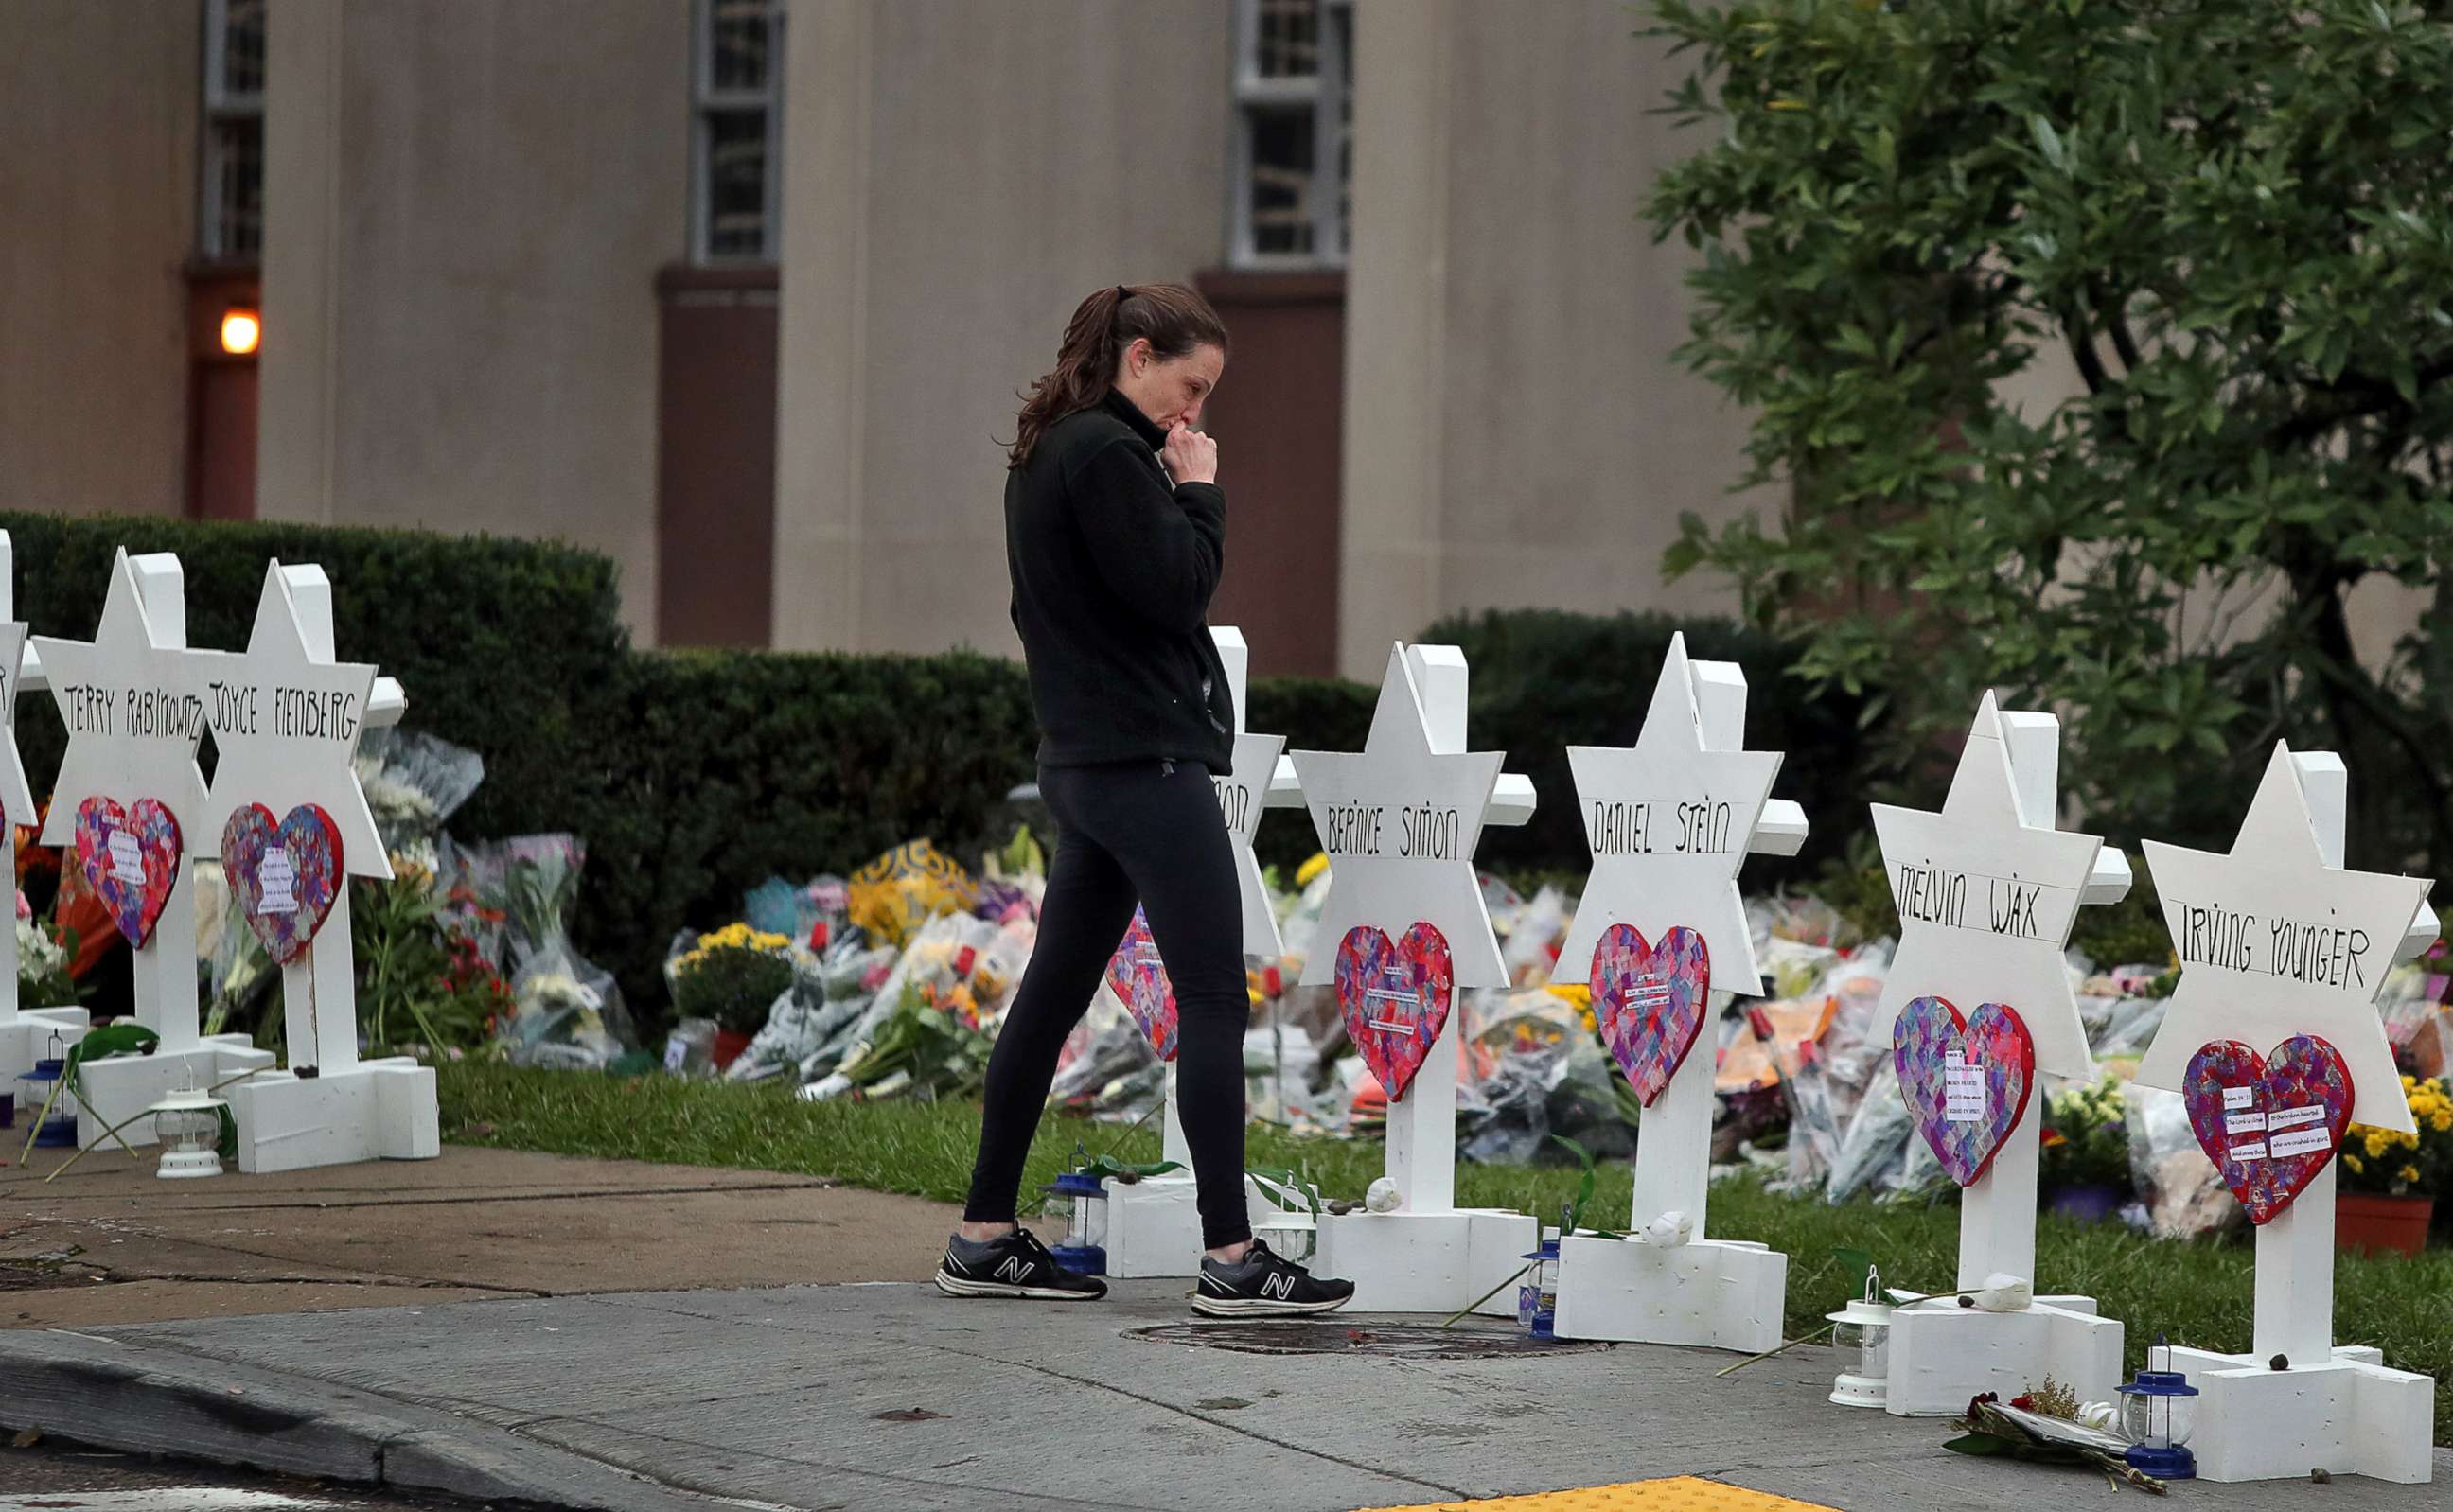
<point>40,1089</point>
<point>187,1126</point>
<point>1537,1297</point>
<point>1083,1200</point>
<point>1862,1332</point>
<point>2157,1413</point>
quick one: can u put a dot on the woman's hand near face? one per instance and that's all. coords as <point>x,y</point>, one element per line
<point>1190,456</point>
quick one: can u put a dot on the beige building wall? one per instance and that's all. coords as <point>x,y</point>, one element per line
<point>957,178</point>
<point>1516,430</point>
<point>466,208</point>
<point>98,107</point>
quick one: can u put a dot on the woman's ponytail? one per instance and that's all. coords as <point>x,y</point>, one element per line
<point>1172,318</point>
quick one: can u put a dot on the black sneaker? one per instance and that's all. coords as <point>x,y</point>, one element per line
<point>1015,1266</point>
<point>1265,1284</point>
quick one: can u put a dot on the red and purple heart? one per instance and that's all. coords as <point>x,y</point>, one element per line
<point>1395,995</point>
<point>1965,1082</point>
<point>1138,977</point>
<point>1649,1002</point>
<point>2269,1124</point>
<point>287,902</point>
<point>131,860</point>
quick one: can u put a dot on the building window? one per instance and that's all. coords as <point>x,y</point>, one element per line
<point>230,214</point>
<point>737,125</point>
<point>1294,102</point>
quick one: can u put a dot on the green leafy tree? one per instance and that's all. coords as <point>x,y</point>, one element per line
<point>2234,220</point>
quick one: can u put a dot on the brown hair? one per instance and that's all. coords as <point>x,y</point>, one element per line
<point>1174,320</point>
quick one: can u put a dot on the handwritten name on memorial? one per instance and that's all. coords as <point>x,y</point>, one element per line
<point>2300,950</point>
<point>1624,828</point>
<point>136,713</point>
<point>1939,895</point>
<point>292,713</point>
<point>1425,832</point>
<point>1234,802</point>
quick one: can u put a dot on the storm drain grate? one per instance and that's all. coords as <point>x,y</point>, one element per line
<point>1305,1336</point>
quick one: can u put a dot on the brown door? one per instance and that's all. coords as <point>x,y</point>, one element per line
<point>1279,418</point>
<point>715,456</point>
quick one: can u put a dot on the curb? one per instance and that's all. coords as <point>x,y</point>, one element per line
<point>117,1395</point>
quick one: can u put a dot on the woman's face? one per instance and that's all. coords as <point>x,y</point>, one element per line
<point>1169,389</point>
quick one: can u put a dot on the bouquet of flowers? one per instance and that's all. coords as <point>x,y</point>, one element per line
<point>732,975</point>
<point>44,951</point>
<point>2378,1159</point>
<point>2086,1137</point>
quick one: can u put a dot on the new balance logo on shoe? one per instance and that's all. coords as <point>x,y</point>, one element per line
<point>1277,1287</point>
<point>1013,1268</point>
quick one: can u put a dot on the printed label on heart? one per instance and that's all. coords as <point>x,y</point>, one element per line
<point>1395,996</point>
<point>2268,1124</point>
<point>131,860</point>
<point>1965,1082</point>
<point>1138,977</point>
<point>285,876</point>
<point>1649,1002</point>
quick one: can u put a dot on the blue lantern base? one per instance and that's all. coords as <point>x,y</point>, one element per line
<point>1082,1260</point>
<point>58,1133</point>
<point>2164,1465</point>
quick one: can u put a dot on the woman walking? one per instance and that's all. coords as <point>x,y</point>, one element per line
<point>1115,532</point>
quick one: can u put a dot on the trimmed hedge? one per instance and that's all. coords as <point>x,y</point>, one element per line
<point>692,776</point>
<point>512,649</point>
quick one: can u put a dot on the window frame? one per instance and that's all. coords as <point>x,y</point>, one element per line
<point>1328,91</point>
<point>220,107</point>
<point>706,101</point>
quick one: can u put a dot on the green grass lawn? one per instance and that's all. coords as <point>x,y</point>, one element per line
<point>2197,1291</point>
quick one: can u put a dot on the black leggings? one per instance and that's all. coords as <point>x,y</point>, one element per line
<point>1147,832</point>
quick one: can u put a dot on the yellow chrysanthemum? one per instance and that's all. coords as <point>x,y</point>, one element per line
<point>2408,1173</point>
<point>2353,1163</point>
<point>1575,992</point>
<point>2376,1145</point>
<point>2442,1121</point>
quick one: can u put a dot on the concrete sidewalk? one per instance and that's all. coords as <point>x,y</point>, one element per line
<point>889,1396</point>
<point>110,1243</point>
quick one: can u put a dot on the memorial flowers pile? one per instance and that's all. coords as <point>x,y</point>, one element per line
<point>2398,1165</point>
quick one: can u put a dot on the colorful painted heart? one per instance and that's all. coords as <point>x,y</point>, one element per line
<point>285,876</point>
<point>1967,1082</point>
<point>1649,1001</point>
<point>1138,977</point>
<point>2268,1124</point>
<point>1395,995</point>
<point>131,860</point>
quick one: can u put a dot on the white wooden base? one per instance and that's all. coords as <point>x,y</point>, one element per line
<point>2348,1415</point>
<point>1713,1293</point>
<point>1154,1226</point>
<point>121,1087</point>
<point>25,1037</point>
<point>1434,1263</point>
<point>373,1110</point>
<point>1943,1354</point>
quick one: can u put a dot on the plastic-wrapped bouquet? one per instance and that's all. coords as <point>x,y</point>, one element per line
<point>44,951</point>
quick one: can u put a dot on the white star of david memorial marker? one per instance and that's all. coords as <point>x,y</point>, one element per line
<point>132,732</point>
<point>1987,890</point>
<point>1670,819</point>
<point>1243,795</point>
<point>1668,822</point>
<point>2275,939</point>
<point>24,1038</point>
<point>286,719</point>
<point>1400,821</point>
